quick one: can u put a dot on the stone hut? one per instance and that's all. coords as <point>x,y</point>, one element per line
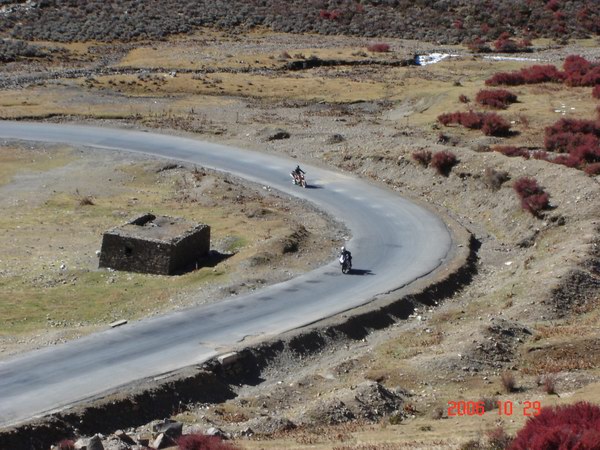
<point>155,244</point>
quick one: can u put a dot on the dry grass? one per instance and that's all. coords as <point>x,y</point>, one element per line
<point>48,262</point>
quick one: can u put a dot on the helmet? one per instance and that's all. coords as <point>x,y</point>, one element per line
<point>343,248</point>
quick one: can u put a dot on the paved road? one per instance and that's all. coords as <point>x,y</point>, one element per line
<point>393,243</point>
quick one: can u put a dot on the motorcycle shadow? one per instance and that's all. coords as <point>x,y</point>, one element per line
<point>313,186</point>
<point>360,272</point>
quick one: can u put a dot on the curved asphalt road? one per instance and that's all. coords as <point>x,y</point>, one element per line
<point>394,242</point>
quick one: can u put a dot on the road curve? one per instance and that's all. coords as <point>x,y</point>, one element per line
<point>393,243</point>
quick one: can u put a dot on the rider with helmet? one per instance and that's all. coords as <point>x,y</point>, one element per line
<point>297,175</point>
<point>298,170</point>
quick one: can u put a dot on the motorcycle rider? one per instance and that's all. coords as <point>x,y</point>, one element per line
<point>345,255</point>
<point>296,173</point>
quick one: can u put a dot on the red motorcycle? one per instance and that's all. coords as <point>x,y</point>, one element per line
<point>299,179</point>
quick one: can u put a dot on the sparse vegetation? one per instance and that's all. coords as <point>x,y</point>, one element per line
<point>533,197</point>
<point>494,179</point>
<point>512,151</point>
<point>508,381</point>
<point>443,162</point>
<point>498,439</point>
<point>549,384</point>
<point>423,157</point>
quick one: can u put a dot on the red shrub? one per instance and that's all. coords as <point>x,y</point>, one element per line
<point>443,162</point>
<point>533,198</point>
<point>574,426</point>
<point>445,119</point>
<point>495,98</point>
<point>580,72</point>
<point>528,75</point>
<point>202,442</point>
<point>573,126</point>
<point>506,78</point>
<point>580,139</point>
<point>448,118</point>
<point>508,150</point>
<point>471,120</point>
<point>494,125</point>
<point>526,186</point>
<point>541,155</point>
<point>378,47</point>
<point>592,77</point>
<point>585,147</point>
<point>458,24</point>
<point>592,169</point>
<point>423,157</point>
<point>536,203</point>
<point>490,123</point>
<point>567,160</point>
<point>575,68</point>
<point>596,91</point>
<point>542,74</point>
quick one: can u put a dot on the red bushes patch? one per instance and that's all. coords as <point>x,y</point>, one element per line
<point>580,72</point>
<point>579,139</point>
<point>577,72</point>
<point>533,198</point>
<point>490,123</point>
<point>443,162</point>
<point>568,426</point>
<point>528,75</point>
<point>202,442</point>
<point>596,91</point>
<point>495,98</point>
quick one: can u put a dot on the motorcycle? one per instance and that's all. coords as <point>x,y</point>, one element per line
<point>299,179</point>
<point>346,263</point>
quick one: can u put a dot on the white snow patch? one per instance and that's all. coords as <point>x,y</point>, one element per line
<point>432,58</point>
<point>511,58</point>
